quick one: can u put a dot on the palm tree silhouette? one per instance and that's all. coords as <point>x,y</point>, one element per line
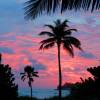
<point>60,35</point>
<point>30,74</point>
<point>33,8</point>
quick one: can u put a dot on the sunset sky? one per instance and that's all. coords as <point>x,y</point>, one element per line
<point>19,44</point>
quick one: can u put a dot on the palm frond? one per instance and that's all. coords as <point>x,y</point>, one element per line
<point>51,27</point>
<point>35,72</point>
<point>74,41</point>
<point>95,4</point>
<point>46,33</point>
<point>47,46</point>
<point>65,23</point>
<point>33,8</point>
<point>47,40</point>
<point>57,22</point>
<point>72,30</point>
<point>22,73</point>
<point>44,43</point>
<point>35,75</point>
<point>41,46</point>
<point>23,77</point>
<point>68,47</point>
<point>69,31</point>
<point>78,4</point>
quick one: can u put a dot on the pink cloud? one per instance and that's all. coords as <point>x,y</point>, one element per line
<point>26,47</point>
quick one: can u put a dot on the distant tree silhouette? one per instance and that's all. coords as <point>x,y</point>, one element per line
<point>60,34</point>
<point>8,89</point>
<point>29,74</point>
<point>34,8</point>
<point>88,89</point>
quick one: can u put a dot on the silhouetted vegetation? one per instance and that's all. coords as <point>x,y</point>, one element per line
<point>60,34</point>
<point>88,89</point>
<point>8,88</point>
<point>0,57</point>
<point>26,98</point>
<point>29,74</point>
<point>33,8</point>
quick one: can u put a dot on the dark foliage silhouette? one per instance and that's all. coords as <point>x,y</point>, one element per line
<point>8,89</point>
<point>29,74</point>
<point>60,34</point>
<point>0,57</point>
<point>33,8</point>
<point>95,72</point>
<point>88,89</point>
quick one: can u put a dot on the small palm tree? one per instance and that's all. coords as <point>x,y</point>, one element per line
<point>29,74</point>
<point>60,35</point>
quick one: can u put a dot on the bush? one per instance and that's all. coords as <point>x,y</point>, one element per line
<point>88,89</point>
<point>8,89</point>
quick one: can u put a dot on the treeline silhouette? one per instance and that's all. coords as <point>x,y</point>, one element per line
<point>8,88</point>
<point>88,89</point>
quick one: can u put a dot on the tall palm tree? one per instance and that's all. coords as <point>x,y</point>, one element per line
<point>33,8</point>
<point>29,74</point>
<point>60,35</point>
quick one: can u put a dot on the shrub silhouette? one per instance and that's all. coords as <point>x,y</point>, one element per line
<point>95,72</point>
<point>88,89</point>
<point>8,89</point>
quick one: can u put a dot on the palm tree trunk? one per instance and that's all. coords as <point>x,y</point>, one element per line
<point>31,91</point>
<point>60,74</point>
